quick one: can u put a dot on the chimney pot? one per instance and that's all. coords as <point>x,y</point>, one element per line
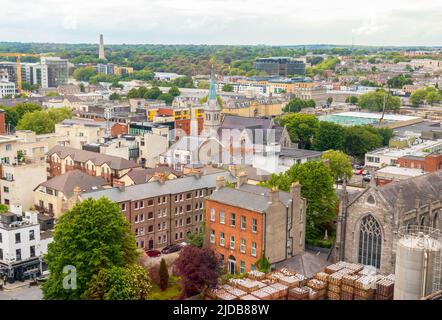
<point>241,179</point>
<point>220,182</point>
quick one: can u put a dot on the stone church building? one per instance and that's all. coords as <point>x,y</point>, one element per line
<point>368,222</point>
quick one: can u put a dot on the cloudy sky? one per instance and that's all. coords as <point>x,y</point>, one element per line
<point>273,22</point>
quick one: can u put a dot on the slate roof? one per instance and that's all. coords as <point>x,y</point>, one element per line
<point>67,182</point>
<point>155,189</point>
<point>250,197</point>
<point>142,175</point>
<point>98,159</point>
<point>298,153</point>
<point>427,188</point>
<point>238,122</point>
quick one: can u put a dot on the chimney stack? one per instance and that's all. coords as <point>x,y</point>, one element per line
<point>220,182</point>
<point>295,190</point>
<point>241,179</point>
<point>120,185</point>
<point>77,191</point>
<point>274,195</point>
<point>101,54</point>
<point>233,169</point>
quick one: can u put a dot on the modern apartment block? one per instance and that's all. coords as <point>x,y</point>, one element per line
<point>165,211</point>
<point>245,222</point>
<point>58,71</point>
<point>280,66</point>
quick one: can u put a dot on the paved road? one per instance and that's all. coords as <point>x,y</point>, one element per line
<point>22,293</point>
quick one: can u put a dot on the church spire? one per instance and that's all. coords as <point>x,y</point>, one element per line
<point>212,91</point>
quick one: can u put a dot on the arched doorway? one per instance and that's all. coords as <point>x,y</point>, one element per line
<point>231,264</point>
<point>370,242</point>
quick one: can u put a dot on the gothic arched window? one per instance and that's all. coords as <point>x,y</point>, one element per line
<point>370,242</point>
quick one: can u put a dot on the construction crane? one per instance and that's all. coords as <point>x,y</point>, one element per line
<point>18,62</point>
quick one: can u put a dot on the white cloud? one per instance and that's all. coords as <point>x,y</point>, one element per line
<point>377,22</point>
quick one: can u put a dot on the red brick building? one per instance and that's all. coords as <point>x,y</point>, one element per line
<point>244,222</point>
<point>63,159</point>
<point>429,163</point>
<point>184,124</point>
<point>2,122</point>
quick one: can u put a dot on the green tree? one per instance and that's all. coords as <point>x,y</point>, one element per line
<point>84,73</point>
<point>38,121</point>
<point>81,85</point>
<point>114,96</point>
<point>339,164</point>
<point>316,182</point>
<point>153,93</point>
<point>133,94</point>
<point>196,238</point>
<point>399,81</point>
<point>92,236</point>
<point>359,140</point>
<point>352,100</point>
<point>174,91</point>
<point>119,283</point>
<point>417,98</point>
<point>329,136</point>
<point>263,264</point>
<point>296,104</point>
<point>3,208</point>
<point>227,88</point>
<point>301,128</point>
<point>163,275</point>
<point>374,101</point>
<point>329,101</point>
<point>166,97</point>
<point>433,97</point>
<point>23,108</point>
<point>59,114</point>
<point>11,116</point>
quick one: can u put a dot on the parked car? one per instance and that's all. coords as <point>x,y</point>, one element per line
<point>367,178</point>
<point>358,172</point>
<point>153,253</point>
<point>171,248</point>
<point>358,167</point>
<point>365,172</point>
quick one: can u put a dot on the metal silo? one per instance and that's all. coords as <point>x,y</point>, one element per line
<point>418,262</point>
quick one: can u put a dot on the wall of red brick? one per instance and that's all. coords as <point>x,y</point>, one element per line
<point>118,129</point>
<point>2,122</point>
<point>236,231</point>
<point>433,163</point>
<point>407,163</point>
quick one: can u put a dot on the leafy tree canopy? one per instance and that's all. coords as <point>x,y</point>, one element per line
<point>92,236</point>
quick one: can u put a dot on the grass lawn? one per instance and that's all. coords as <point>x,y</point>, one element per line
<point>172,291</point>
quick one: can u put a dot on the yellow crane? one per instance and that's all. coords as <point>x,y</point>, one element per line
<point>18,57</point>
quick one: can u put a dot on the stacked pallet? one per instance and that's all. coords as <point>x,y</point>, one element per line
<point>347,286</point>
<point>384,289</point>
<point>256,275</point>
<point>212,294</point>
<point>318,289</point>
<point>364,288</point>
<point>301,293</point>
<point>282,290</point>
<point>247,285</point>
